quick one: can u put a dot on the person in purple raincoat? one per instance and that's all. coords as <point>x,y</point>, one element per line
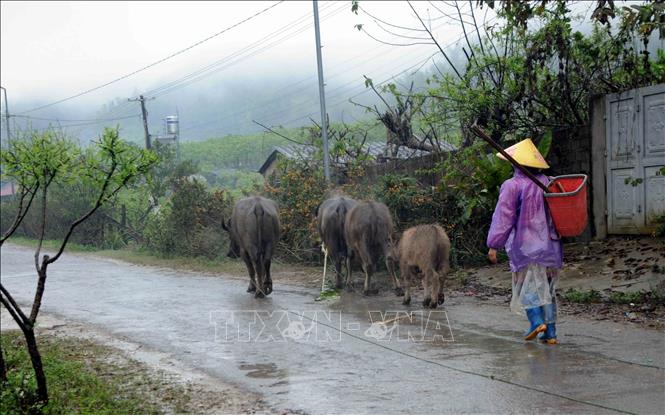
<point>521,224</point>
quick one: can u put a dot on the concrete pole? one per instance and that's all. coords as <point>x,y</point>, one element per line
<point>144,115</point>
<point>322,96</point>
<point>6,113</point>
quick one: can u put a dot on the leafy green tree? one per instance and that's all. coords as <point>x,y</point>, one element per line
<point>531,71</point>
<point>38,162</point>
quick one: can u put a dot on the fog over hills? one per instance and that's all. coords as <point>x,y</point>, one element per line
<point>217,107</point>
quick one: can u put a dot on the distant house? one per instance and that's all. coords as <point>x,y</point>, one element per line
<point>8,190</point>
<point>380,152</point>
<point>290,151</point>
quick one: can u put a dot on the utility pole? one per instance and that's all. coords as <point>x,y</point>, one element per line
<point>144,115</point>
<point>6,113</point>
<point>322,96</point>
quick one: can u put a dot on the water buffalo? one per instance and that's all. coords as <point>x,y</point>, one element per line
<point>368,231</point>
<point>424,249</point>
<point>331,216</point>
<point>254,231</point>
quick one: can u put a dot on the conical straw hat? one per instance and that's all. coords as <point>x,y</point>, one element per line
<point>526,154</point>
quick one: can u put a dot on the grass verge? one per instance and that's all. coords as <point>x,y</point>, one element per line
<point>195,264</point>
<point>83,378</point>
<point>138,257</point>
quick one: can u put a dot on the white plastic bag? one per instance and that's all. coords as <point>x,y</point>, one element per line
<point>530,289</point>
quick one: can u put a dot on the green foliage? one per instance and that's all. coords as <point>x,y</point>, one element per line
<point>410,203</point>
<point>535,72</point>
<point>37,159</point>
<point>189,222</point>
<point>298,188</point>
<point>246,152</point>
<point>659,220</point>
<point>633,181</point>
<point>71,181</point>
<point>74,388</point>
<point>618,297</point>
<point>585,297</point>
<point>240,183</point>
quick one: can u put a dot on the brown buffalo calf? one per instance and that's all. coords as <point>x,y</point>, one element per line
<point>424,249</point>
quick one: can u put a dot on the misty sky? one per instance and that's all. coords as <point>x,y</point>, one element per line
<point>265,67</point>
<point>51,50</point>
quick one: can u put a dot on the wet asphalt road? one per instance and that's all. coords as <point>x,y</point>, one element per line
<point>306,356</point>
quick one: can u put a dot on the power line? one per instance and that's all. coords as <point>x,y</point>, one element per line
<point>228,60</point>
<point>347,87</point>
<point>81,124</point>
<point>173,85</point>
<point>420,63</point>
<point>199,74</point>
<point>65,120</point>
<point>295,92</point>
<point>333,93</point>
<point>154,63</point>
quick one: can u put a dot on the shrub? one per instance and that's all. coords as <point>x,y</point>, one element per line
<point>189,223</point>
<point>585,297</point>
<point>298,189</point>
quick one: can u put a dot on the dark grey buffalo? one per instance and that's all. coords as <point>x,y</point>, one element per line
<point>254,231</point>
<point>330,224</point>
<point>368,230</point>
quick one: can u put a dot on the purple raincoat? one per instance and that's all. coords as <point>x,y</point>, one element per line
<point>521,223</point>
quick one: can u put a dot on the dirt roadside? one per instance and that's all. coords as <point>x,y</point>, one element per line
<point>598,281</point>
<point>164,381</point>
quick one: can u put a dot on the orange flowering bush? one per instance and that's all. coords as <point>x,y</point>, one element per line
<point>298,188</point>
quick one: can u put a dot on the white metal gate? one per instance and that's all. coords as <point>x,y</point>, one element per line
<point>635,126</point>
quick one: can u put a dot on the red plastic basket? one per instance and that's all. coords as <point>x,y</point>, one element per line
<point>567,201</point>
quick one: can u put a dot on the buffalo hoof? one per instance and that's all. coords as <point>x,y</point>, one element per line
<point>251,288</point>
<point>399,292</point>
<point>268,288</point>
<point>441,299</point>
<point>259,294</point>
<point>427,301</point>
<point>406,301</point>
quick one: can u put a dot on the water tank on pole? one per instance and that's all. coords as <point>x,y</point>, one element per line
<point>172,126</point>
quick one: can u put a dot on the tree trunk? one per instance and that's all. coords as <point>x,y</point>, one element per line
<point>3,366</point>
<point>36,358</point>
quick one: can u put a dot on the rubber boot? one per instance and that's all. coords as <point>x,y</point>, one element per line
<point>549,313</point>
<point>535,316</point>
<point>549,336</point>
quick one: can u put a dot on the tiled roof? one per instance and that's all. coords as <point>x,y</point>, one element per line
<point>375,149</point>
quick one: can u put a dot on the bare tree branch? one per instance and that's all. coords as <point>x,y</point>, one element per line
<point>390,24</point>
<point>394,44</point>
<point>371,85</point>
<point>435,42</point>
<point>398,34</point>
<point>13,313</point>
<point>21,213</point>
<point>13,303</point>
